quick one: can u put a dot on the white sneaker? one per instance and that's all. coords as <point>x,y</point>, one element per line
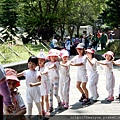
<point>91,98</point>
<point>95,97</point>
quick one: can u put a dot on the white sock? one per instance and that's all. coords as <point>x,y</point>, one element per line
<point>30,105</point>
<point>39,107</point>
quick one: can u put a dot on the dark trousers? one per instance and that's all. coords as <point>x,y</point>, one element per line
<point>103,45</point>
<point>1,107</point>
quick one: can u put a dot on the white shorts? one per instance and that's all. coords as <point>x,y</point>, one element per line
<point>33,94</point>
<point>82,76</point>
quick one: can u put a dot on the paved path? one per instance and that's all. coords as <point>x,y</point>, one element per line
<point>101,107</point>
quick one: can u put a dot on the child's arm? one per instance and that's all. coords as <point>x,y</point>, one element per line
<point>76,64</point>
<point>19,114</point>
<point>52,66</point>
<point>101,63</point>
<point>63,65</point>
<point>35,84</point>
<point>118,64</point>
<point>90,61</point>
<point>20,74</point>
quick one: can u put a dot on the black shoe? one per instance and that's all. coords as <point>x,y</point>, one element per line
<point>59,106</point>
<point>86,101</point>
<point>82,98</point>
<point>51,109</point>
<point>118,97</point>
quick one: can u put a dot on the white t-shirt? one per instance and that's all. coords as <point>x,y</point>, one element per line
<point>92,69</point>
<point>31,76</point>
<point>54,42</point>
<point>54,72</point>
<point>67,44</point>
<point>77,59</point>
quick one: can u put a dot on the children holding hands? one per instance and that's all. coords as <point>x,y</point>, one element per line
<point>53,74</point>
<point>43,79</point>
<point>32,77</point>
<point>80,61</point>
<point>64,78</point>
<point>110,79</point>
<point>45,83</point>
<point>92,73</point>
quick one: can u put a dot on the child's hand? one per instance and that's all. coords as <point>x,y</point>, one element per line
<point>39,78</point>
<point>107,65</point>
<point>31,84</point>
<point>82,63</point>
<point>8,109</point>
<point>72,64</point>
<point>54,66</point>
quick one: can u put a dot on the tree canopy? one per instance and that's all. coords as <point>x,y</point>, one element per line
<point>46,17</point>
<point>111,14</point>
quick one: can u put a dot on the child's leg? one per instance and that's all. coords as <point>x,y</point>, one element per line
<point>78,85</point>
<point>118,97</point>
<point>47,103</point>
<point>30,105</point>
<point>110,83</point>
<point>55,91</point>
<point>51,94</point>
<point>85,89</point>
<point>79,88</point>
<point>66,93</point>
<point>61,89</point>
<point>93,81</point>
<point>86,100</point>
<point>39,107</point>
<point>42,105</point>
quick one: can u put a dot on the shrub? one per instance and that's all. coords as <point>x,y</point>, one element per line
<point>114,46</point>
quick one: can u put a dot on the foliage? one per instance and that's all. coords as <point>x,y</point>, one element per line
<point>111,14</point>
<point>114,46</point>
<point>8,17</point>
<point>20,50</point>
<point>46,17</point>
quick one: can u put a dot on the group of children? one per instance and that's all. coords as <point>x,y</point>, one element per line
<point>48,74</point>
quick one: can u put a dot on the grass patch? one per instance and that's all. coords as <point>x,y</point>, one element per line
<point>101,51</point>
<point>23,54</point>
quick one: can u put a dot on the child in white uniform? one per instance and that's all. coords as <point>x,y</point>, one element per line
<point>64,78</point>
<point>53,73</point>
<point>117,62</point>
<point>32,76</point>
<point>80,61</point>
<point>45,84</point>
<point>18,103</point>
<point>110,80</point>
<point>92,73</point>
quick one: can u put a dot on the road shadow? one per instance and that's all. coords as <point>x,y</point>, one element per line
<point>56,112</point>
<point>78,105</point>
<point>105,101</point>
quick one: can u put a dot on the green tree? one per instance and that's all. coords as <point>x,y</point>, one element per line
<point>8,17</point>
<point>111,14</point>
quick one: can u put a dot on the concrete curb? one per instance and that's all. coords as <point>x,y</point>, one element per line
<point>18,66</point>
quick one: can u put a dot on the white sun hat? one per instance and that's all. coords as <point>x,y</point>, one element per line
<point>41,54</point>
<point>63,53</point>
